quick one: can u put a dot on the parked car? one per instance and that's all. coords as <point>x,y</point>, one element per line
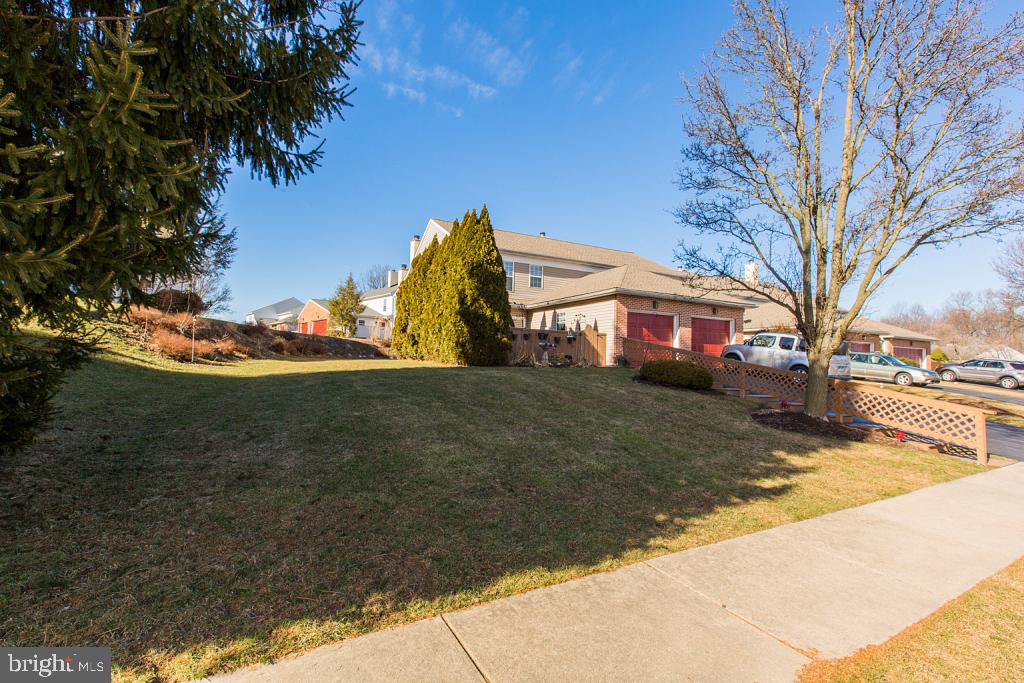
<point>880,367</point>
<point>1007,374</point>
<point>785,352</point>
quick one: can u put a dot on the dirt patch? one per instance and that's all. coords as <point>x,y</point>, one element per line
<point>805,424</point>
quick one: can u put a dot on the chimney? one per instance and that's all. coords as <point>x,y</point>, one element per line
<point>750,274</point>
<point>402,273</point>
<point>543,234</point>
<point>414,245</point>
<point>392,278</point>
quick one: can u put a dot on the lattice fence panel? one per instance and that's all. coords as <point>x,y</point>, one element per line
<point>938,420</point>
<point>947,422</point>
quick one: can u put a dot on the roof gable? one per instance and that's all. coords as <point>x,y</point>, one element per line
<point>282,307</point>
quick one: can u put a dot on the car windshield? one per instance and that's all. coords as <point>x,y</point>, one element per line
<point>1017,366</point>
<point>895,361</point>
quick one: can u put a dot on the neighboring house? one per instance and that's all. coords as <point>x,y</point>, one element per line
<point>864,335</point>
<point>558,285</point>
<point>373,325</point>
<point>375,321</point>
<point>313,317</point>
<point>282,315</point>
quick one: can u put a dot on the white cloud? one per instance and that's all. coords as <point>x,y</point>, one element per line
<point>508,66</point>
<point>448,109</point>
<point>413,94</point>
<point>392,47</point>
<point>569,71</point>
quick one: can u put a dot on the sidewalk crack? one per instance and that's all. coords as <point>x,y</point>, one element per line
<point>463,646</point>
<point>808,653</point>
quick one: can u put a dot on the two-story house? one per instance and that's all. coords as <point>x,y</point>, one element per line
<point>558,285</point>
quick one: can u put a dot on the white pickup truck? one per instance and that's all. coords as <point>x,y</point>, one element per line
<point>785,352</point>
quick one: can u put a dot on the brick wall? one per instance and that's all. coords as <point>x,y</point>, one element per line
<point>685,310</point>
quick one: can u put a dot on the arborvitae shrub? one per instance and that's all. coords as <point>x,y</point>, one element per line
<point>453,307</point>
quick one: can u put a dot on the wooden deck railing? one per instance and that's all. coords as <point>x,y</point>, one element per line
<point>948,423</point>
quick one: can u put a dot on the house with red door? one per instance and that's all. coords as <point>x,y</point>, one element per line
<point>865,335</point>
<point>558,285</point>
<point>313,317</point>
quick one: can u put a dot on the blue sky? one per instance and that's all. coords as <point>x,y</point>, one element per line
<point>562,118</point>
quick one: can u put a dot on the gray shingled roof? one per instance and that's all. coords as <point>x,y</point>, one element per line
<point>549,247</point>
<point>634,279</point>
<point>771,315</point>
<point>289,305</point>
<point>375,293</point>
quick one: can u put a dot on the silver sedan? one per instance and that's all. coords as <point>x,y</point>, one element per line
<point>882,368</point>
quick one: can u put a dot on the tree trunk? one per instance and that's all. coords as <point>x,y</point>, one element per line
<point>816,404</point>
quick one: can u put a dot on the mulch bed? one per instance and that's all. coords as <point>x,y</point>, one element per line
<point>805,424</point>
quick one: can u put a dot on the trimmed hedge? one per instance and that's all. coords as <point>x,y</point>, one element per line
<point>675,373</point>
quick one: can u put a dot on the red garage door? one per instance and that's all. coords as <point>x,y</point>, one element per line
<point>320,327</point>
<point>910,353</point>
<point>859,347</point>
<point>709,336</point>
<point>650,327</point>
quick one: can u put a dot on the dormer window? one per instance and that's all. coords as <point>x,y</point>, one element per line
<point>536,276</point>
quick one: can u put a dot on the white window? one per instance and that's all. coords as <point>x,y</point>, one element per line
<point>385,305</point>
<point>560,321</point>
<point>510,269</point>
<point>536,276</point>
<point>360,322</point>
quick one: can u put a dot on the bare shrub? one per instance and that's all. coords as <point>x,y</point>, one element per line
<point>142,315</point>
<point>178,347</point>
<point>228,347</point>
<point>253,330</point>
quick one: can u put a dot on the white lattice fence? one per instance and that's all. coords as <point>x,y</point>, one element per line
<point>935,420</point>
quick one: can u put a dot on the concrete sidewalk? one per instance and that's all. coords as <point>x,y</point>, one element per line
<point>754,608</point>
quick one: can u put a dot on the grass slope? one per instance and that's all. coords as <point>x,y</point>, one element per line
<point>976,637</point>
<point>202,518</point>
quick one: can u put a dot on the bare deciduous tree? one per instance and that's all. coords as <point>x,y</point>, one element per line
<point>1010,265</point>
<point>831,159</point>
<point>375,278</point>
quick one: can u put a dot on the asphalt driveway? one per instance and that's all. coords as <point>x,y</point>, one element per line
<point>992,393</point>
<point>1006,440</point>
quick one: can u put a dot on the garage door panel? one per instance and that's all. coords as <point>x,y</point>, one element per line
<point>859,347</point>
<point>320,327</point>
<point>650,327</point>
<point>909,352</point>
<point>708,335</point>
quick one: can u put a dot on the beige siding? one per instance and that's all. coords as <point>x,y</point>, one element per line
<point>598,313</point>
<point>554,277</point>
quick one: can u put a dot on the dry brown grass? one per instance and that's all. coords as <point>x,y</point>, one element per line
<point>978,637</point>
<point>224,515</point>
<point>173,345</point>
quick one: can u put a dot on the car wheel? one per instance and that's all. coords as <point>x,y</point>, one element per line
<point>1009,383</point>
<point>798,368</point>
<point>732,356</point>
<point>903,379</point>
<point>948,376</point>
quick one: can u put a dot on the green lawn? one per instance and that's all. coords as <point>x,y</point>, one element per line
<point>202,518</point>
<point>976,637</point>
